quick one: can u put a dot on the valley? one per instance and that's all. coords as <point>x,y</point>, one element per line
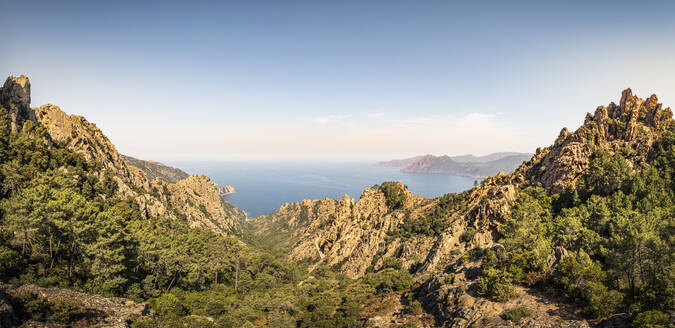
<point>578,234</point>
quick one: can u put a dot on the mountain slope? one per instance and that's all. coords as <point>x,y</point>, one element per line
<point>205,206</point>
<point>581,234</point>
<point>347,235</point>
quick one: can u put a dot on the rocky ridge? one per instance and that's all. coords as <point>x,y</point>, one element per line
<point>156,169</point>
<point>345,233</point>
<point>195,198</point>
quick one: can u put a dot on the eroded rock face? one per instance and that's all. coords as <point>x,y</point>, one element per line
<point>346,233</point>
<point>86,139</point>
<point>199,199</point>
<point>15,98</point>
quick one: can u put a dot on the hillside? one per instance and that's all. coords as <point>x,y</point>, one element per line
<point>445,241</point>
<point>465,165</point>
<point>195,197</point>
<point>578,235</point>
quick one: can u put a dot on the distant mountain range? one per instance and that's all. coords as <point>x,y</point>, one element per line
<point>466,165</point>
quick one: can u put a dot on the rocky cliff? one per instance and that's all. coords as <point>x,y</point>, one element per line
<point>346,234</point>
<point>194,198</point>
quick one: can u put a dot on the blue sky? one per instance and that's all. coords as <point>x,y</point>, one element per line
<point>340,79</point>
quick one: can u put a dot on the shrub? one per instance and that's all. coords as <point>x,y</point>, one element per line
<point>601,301</point>
<point>449,278</point>
<point>516,314</point>
<point>489,260</point>
<point>9,258</point>
<point>60,309</point>
<point>467,235</point>
<point>168,305</point>
<point>32,306</point>
<point>393,193</point>
<point>471,255</point>
<point>652,319</point>
<point>415,307</point>
<point>389,280</point>
<point>496,285</point>
<point>392,262</point>
<point>67,310</point>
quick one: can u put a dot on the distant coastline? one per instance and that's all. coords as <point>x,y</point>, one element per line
<point>464,165</point>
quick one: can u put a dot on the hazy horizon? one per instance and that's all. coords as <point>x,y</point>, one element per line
<point>350,80</point>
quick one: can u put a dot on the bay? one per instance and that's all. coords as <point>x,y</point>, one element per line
<point>263,186</point>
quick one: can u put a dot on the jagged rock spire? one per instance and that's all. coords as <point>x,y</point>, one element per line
<point>15,98</point>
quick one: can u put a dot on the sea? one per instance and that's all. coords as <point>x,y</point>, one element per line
<point>261,187</point>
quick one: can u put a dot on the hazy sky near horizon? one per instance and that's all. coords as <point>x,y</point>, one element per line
<point>338,79</point>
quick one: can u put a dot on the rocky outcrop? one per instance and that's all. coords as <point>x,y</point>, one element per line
<point>632,126</point>
<point>200,201</point>
<point>98,311</point>
<point>15,98</point>
<point>346,234</point>
<point>455,304</point>
<point>225,190</point>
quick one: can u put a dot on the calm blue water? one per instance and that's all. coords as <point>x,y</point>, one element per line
<point>262,187</point>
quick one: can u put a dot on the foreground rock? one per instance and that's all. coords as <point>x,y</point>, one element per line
<point>66,308</point>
